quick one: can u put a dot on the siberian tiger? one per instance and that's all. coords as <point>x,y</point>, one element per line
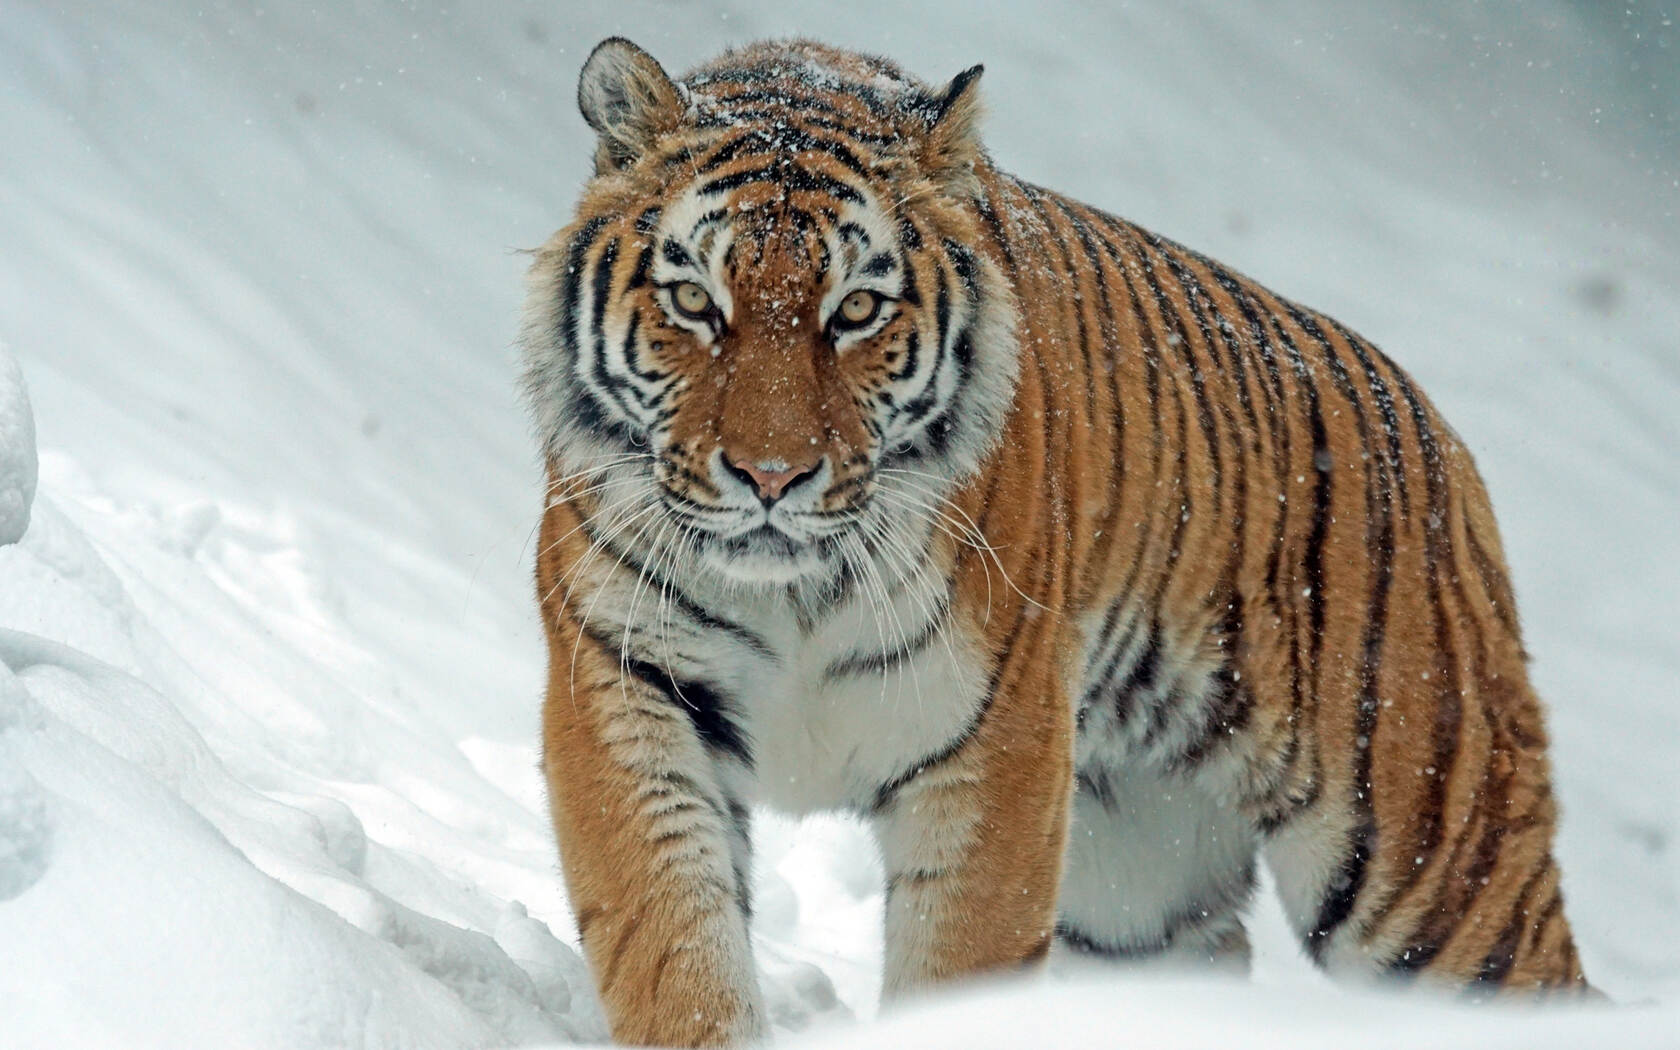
<point>1085,569</point>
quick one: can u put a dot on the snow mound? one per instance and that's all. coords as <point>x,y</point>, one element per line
<point>1207,1014</point>
<point>153,898</point>
<point>17,450</point>
<point>126,878</point>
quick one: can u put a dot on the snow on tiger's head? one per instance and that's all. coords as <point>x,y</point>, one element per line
<point>773,296</point>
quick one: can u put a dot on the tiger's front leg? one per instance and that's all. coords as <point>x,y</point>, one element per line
<point>645,841</point>
<point>973,840</point>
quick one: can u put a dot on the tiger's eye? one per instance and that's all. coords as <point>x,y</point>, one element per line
<point>858,309</point>
<point>691,299</point>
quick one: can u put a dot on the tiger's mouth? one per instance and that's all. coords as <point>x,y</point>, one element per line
<point>765,554</point>
<point>763,539</point>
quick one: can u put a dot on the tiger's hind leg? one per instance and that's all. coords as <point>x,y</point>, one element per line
<point>1158,871</point>
<point>1434,860</point>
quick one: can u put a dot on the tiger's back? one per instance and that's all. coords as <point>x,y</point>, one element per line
<point>1085,569</point>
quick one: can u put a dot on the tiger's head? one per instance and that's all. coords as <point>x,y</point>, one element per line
<point>772,334</point>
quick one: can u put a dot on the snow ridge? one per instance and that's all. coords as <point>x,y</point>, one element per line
<point>18,465</point>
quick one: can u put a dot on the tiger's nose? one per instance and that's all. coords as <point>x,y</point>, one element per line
<point>771,478</point>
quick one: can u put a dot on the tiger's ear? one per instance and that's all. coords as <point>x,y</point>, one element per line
<point>629,99</point>
<point>952,145</point>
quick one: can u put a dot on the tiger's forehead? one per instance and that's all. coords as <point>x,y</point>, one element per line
<point>772,221</point>
<point>778,199</point>
<point>864,97</point>
<point>786,178</point>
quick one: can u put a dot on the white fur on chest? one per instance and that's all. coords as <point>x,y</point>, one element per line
<point>825,741</point>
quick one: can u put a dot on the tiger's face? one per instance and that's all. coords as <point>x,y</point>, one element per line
<point>773,340</point>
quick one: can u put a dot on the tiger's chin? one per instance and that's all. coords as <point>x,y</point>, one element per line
<point>767,557</point>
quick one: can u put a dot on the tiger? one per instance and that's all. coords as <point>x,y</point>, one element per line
<point>1084,570</point>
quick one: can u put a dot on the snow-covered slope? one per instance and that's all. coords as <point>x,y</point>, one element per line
<point>268,663</point>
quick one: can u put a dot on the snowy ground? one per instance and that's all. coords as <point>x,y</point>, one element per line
<point>268,663</point>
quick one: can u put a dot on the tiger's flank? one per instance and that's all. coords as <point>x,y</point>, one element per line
<point>1088,571</point>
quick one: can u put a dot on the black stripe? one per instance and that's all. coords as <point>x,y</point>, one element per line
<point>1107,652</point>
<point>571,279</point>
<point>1150,353</point>
<point>1391,418</point>
<point>627,397</point>
<point>1230,707</point>
<point>1140,679</point>
<point>912,356</point>
<point>914,877</point>
<point>1496,966</point>
<point>1001,236</point>
<point>741,859</point>
<point>1299,722</point>
<point>1112,348</point>
<point>852,132</point>
<point>1215,335</point>
<point>791,176</point>
<point>1095,782</point>
<point>851,231</point>
<point>708,709</point>
<point>683,790</point>
<point>964,265</point>
<point>680,598</point>
<point>1379,545</point>
<point>1193,296</point>
<point>909,233</point>
<point>878,265</point>
<point>1186,917</point>
<point>887,793</point>
<point>855,664</point>
<point>644,262</point>
<point>1074,302</point>
<point>1153,354</point>
<point>1226,704</point>
<point>941,309</point>
<point>1234,355</point>
<point>781,140</point>
<point>602,289</point>
<point>1341,891</point>
<point>739,75</point>
<point>1085,944</point>
<point>909,281</point>
<point>675,254</point>
<point>1449,698</point>
<point>920,407</point>
<point>939,419</point>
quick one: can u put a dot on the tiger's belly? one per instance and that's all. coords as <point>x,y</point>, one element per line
<point>849,705</point>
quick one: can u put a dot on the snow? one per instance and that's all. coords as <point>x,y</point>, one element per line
<point>17,450</point>
<point>269,665</point>
<point>1181,1014</point>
